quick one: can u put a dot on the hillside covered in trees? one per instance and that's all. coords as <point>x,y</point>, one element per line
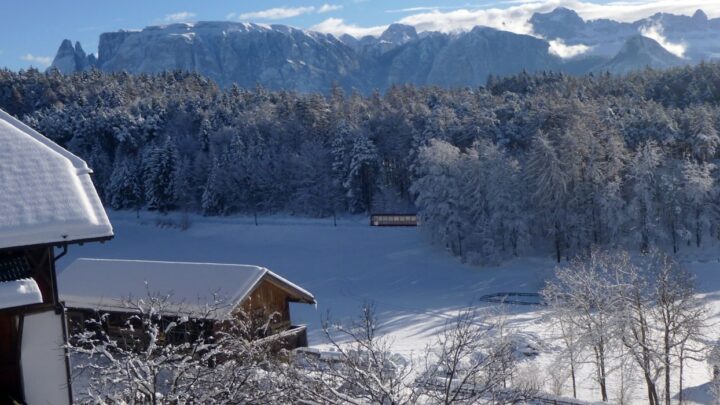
<point>547,161</point>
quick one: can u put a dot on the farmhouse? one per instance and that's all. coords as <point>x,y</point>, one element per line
<point>48,201</point>
<point>94,286</point>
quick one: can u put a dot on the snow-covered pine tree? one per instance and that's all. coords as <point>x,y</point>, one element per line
<point>698,189</point>
<point>125,188</point>
<point>704,138</point>
<point>643,168</point>
<point>361,178</point>
<point>213,197</point>
<point>549,189</point>
<point>160,176</point>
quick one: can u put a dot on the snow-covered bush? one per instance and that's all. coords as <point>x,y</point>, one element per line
<point>159,357</point>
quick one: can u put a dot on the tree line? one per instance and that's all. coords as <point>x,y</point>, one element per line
<point>545,161</point>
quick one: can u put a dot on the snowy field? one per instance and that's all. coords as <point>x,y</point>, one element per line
<point>415,286</point>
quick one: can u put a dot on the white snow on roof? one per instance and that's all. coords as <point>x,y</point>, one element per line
<point>17,293</point>
<point>47,194</point>
<point>108,285</point>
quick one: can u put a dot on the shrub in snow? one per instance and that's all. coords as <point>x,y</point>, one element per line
<point>159,357</point>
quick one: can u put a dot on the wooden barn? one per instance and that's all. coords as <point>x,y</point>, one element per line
<point>390,219</point>
<point>48,202</point>
<point>90,287</point>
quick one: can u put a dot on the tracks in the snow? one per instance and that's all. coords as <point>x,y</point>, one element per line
<point>516,298</point>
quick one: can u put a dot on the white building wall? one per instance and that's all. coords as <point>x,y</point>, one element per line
<point>42,358</point>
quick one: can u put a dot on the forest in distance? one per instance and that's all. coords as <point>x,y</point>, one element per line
<point>547,161</point>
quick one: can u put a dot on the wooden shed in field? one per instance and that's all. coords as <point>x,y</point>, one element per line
<point>394,219</point>
<point>92,286</point>
<point>48,201</point>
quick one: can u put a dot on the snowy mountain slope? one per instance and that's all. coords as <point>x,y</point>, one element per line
<point>694,37</point>
<point>603,37</point>
<point>282,57</point>
<point>276,56</point>
<point>641,51</point>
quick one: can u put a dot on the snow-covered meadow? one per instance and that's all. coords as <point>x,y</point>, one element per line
<point>416,286</point>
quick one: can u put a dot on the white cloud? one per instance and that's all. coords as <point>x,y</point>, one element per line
<point>337,27</point>
<point>182,16</point>
<point>629,11</point>
<point>37,60</point>
<point>281,13</point>
<point>514,19</point>
<point>326,8</point>
<point>277,13</point>
<point>655,32</point>
<point>414,9</point>
<point>559,48</point>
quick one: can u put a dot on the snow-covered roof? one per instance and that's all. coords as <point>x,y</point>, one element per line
<point>17,293</point>
<point>108,285</point>
<point>47,194</point>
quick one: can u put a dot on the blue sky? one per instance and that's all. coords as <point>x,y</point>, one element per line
<point>31,30</point>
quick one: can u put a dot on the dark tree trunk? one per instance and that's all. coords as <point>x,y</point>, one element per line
<point>558,243</point>
<point>572,377</point>
<point>674,236</point>
<point>698,229</point>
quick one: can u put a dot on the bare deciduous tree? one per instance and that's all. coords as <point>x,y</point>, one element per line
<point>585,288</point>
<point>472,362</point>
<point>361,369</point>
<point>679,315</point>
<point>648,302</point>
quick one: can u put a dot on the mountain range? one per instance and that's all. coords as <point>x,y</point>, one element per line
<point>283,57</point>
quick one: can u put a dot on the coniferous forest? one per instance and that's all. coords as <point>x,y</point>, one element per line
<point>548,162</point>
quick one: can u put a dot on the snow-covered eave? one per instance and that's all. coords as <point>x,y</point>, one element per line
<point>19,293</point>
<point>101,305</point>
<point>58,243</point>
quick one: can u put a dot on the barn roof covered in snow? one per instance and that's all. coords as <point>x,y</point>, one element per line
<point>110,285</point>
<point>47,196</point>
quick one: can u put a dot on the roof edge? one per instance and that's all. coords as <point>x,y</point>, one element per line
<point>304,295</point>
<point>59,243</point>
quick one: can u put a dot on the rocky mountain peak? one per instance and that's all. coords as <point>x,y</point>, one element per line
<point>71,58</point>
<point>700,16</point>
<point>399,34</point>
<point>559,23</point>
<point>639,51</point>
